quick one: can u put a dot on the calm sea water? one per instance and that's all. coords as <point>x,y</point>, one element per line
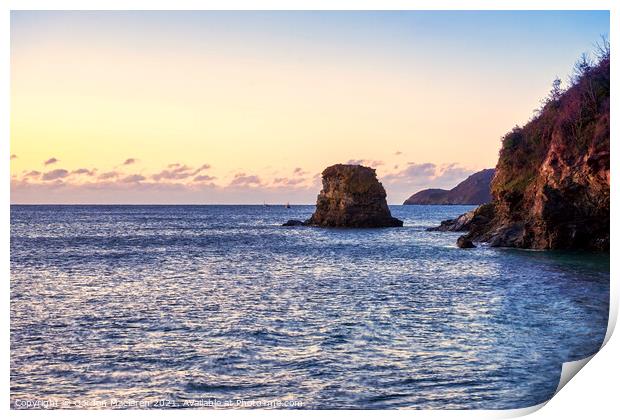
<point>198,304</point>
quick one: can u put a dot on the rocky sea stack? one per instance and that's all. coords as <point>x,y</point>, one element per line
<point>352,196</point>
<point>551,185</point>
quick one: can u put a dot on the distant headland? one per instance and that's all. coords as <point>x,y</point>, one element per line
<point>476,189</point>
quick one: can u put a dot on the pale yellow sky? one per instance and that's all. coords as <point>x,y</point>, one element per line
<point>94,90</point>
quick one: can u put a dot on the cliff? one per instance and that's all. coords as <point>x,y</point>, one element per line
<point>352,196</point>
<point>551,187</point>
<point>476,189</point>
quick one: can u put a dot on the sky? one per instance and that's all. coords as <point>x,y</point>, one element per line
<point>207,107</point>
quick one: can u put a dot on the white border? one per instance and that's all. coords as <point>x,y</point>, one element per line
<point>593,393</point>
<point>310,5</point>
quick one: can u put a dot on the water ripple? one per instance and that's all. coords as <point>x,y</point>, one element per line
<point>180,303</point>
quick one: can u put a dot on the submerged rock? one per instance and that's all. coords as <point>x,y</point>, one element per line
<point>352,196</point>
<point>294,222</point>
<point>473,220</point>
<point>459,224</point>
<point>463,242</point>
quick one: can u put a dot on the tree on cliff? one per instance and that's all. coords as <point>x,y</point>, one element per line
<point>551,187</point>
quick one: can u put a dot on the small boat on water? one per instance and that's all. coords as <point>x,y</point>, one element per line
<point>287,205</point>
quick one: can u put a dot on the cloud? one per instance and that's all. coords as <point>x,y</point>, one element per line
<point>55,174</point>
<point>176,183</point>
<point>185,182</point>
<point>453,173</point>
<point>202,168</point>
<point>365,162</point>
<point>13,157</point>
<point>130,161</point>
<point>173,172</point>
<point>419,170</point>
<point>288,181</point>
<point>178,172</point>
<point>101,192</point>
<point>108,175</point>
<point>418,176</point>
<point>133,178</point>
<point>84,171</point>
<point>243,180</point>
<point>203,178</point>
<point>398,152</point>
<point>51,161</point>
<point>32,174</point>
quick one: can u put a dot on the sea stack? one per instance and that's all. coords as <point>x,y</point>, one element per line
<point>352,196</point>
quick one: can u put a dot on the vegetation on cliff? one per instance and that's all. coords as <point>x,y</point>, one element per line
<point>551,187</point>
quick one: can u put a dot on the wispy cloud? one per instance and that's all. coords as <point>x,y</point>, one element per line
<point>417,176</point>
<point>32,174</point>
<point>51,161</point>
<point>108,175</point>
<point>415,171</point>
<point>366,162</point>
<point>202,168</point>
<point>129,161</point>
<point>243,180</point>
<point>173,173</point>
<point>177,171</point>
<point>55,174</point>
<point>400,181</point>
<point>204,178</point>
<point>133,178</point>
<point>84,171</point>
<point>283,181</point>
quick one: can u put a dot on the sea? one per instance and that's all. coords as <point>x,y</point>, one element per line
<point>182,307</point>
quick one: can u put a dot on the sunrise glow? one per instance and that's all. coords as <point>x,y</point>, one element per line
<point>246,107</point>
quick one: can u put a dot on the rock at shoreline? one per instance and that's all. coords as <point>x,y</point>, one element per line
<point>352,196</point>
<point>294,222</point>
<point>459,224</point>
<point>467,222</point>
<point>463,242</point>
<point>551,188</point>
